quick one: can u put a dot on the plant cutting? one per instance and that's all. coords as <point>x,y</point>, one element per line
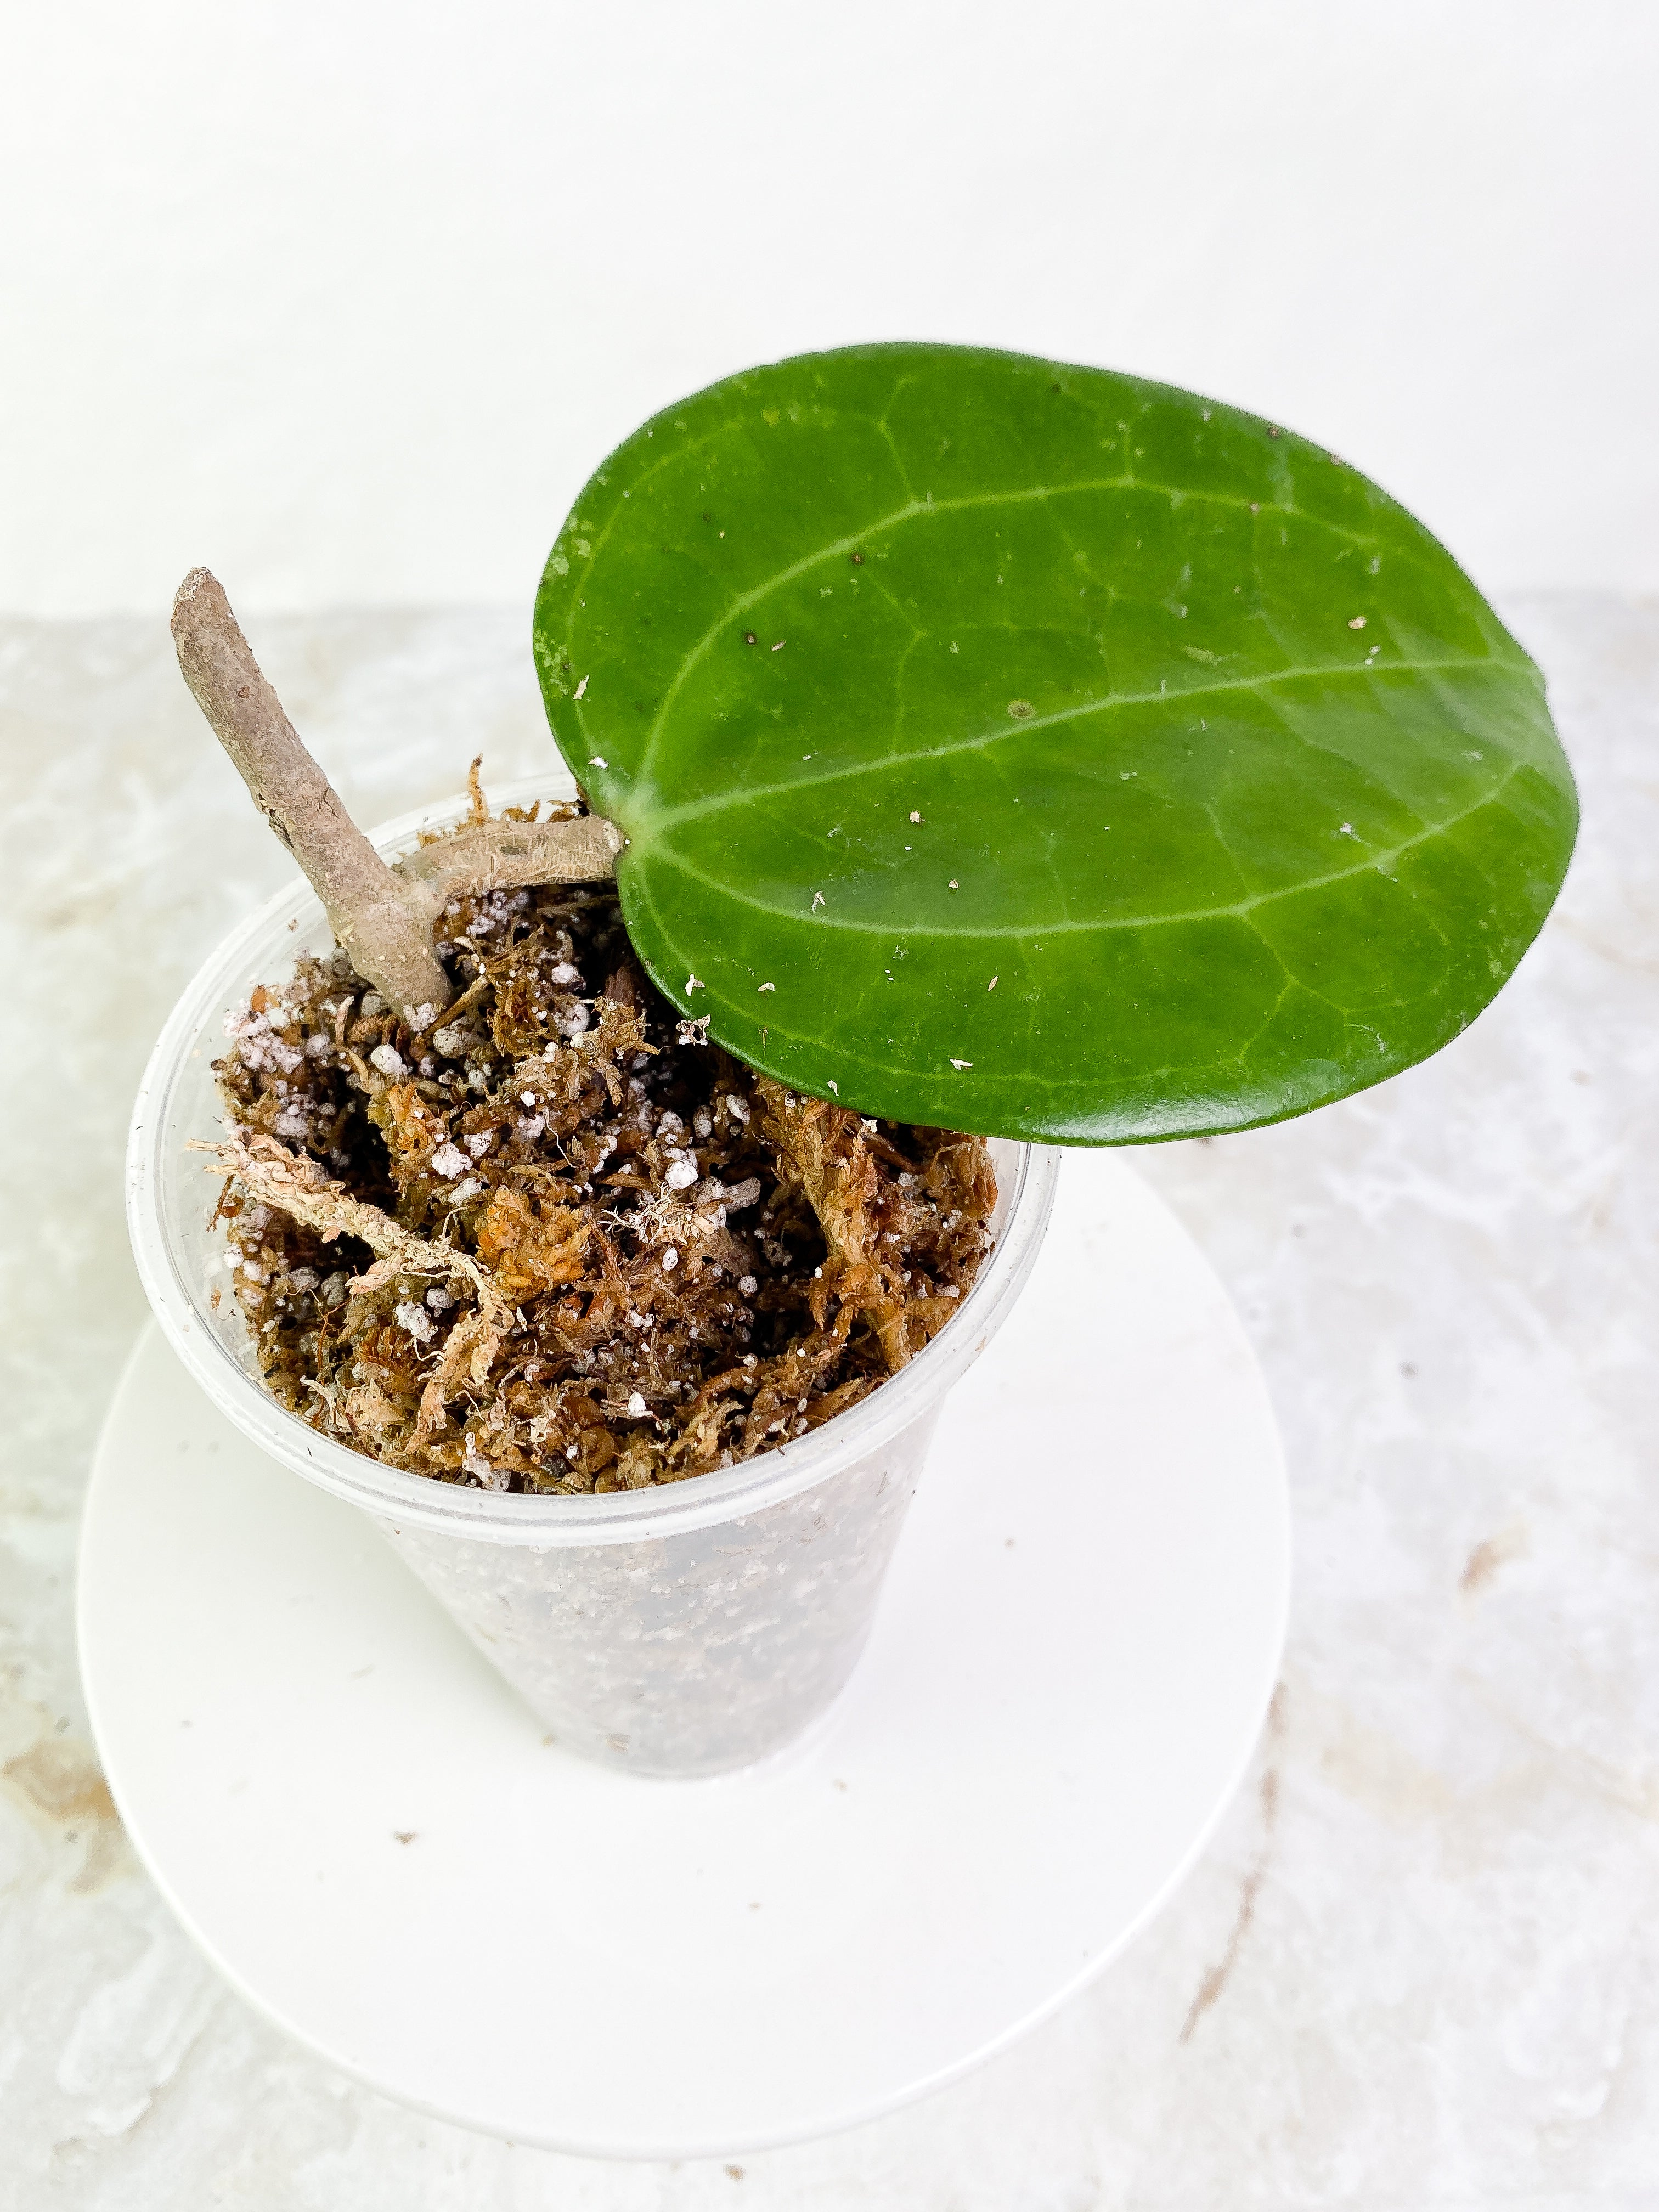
<point>966,744</point>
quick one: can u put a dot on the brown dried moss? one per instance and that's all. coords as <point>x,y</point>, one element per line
<point>554,1241</point>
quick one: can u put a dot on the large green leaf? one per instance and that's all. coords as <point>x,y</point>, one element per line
<point>1071,757</point>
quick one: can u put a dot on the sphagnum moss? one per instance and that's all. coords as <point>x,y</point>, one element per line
<point>554,1241</point>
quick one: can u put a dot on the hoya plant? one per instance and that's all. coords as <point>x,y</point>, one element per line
<point>987,744</point>
<point>982,748</point>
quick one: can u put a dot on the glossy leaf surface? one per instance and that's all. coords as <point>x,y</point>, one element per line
<point>1071,757</point>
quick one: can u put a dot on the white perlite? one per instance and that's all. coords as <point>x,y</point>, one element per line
<point>416,1319</point>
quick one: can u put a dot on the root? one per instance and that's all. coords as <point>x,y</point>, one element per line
<point>269,1172</point>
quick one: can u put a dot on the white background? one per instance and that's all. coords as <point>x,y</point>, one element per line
<point>348,300</point>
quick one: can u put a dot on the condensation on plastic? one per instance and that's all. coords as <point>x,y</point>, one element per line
<point>681,1629</point>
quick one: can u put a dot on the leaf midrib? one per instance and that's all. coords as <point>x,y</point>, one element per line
<point>930,506</point>
<point>1236,909</point>
<point>639,810</point>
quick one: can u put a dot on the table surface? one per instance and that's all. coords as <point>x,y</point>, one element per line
<point>1419,1965</point>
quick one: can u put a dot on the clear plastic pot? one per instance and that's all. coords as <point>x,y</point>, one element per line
<point>675,1631</point>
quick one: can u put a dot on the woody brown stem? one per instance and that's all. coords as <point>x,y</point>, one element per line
<point>383,922</point>
<point>383,917</point>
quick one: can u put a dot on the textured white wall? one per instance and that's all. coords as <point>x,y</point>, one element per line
<point>348,298</point>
